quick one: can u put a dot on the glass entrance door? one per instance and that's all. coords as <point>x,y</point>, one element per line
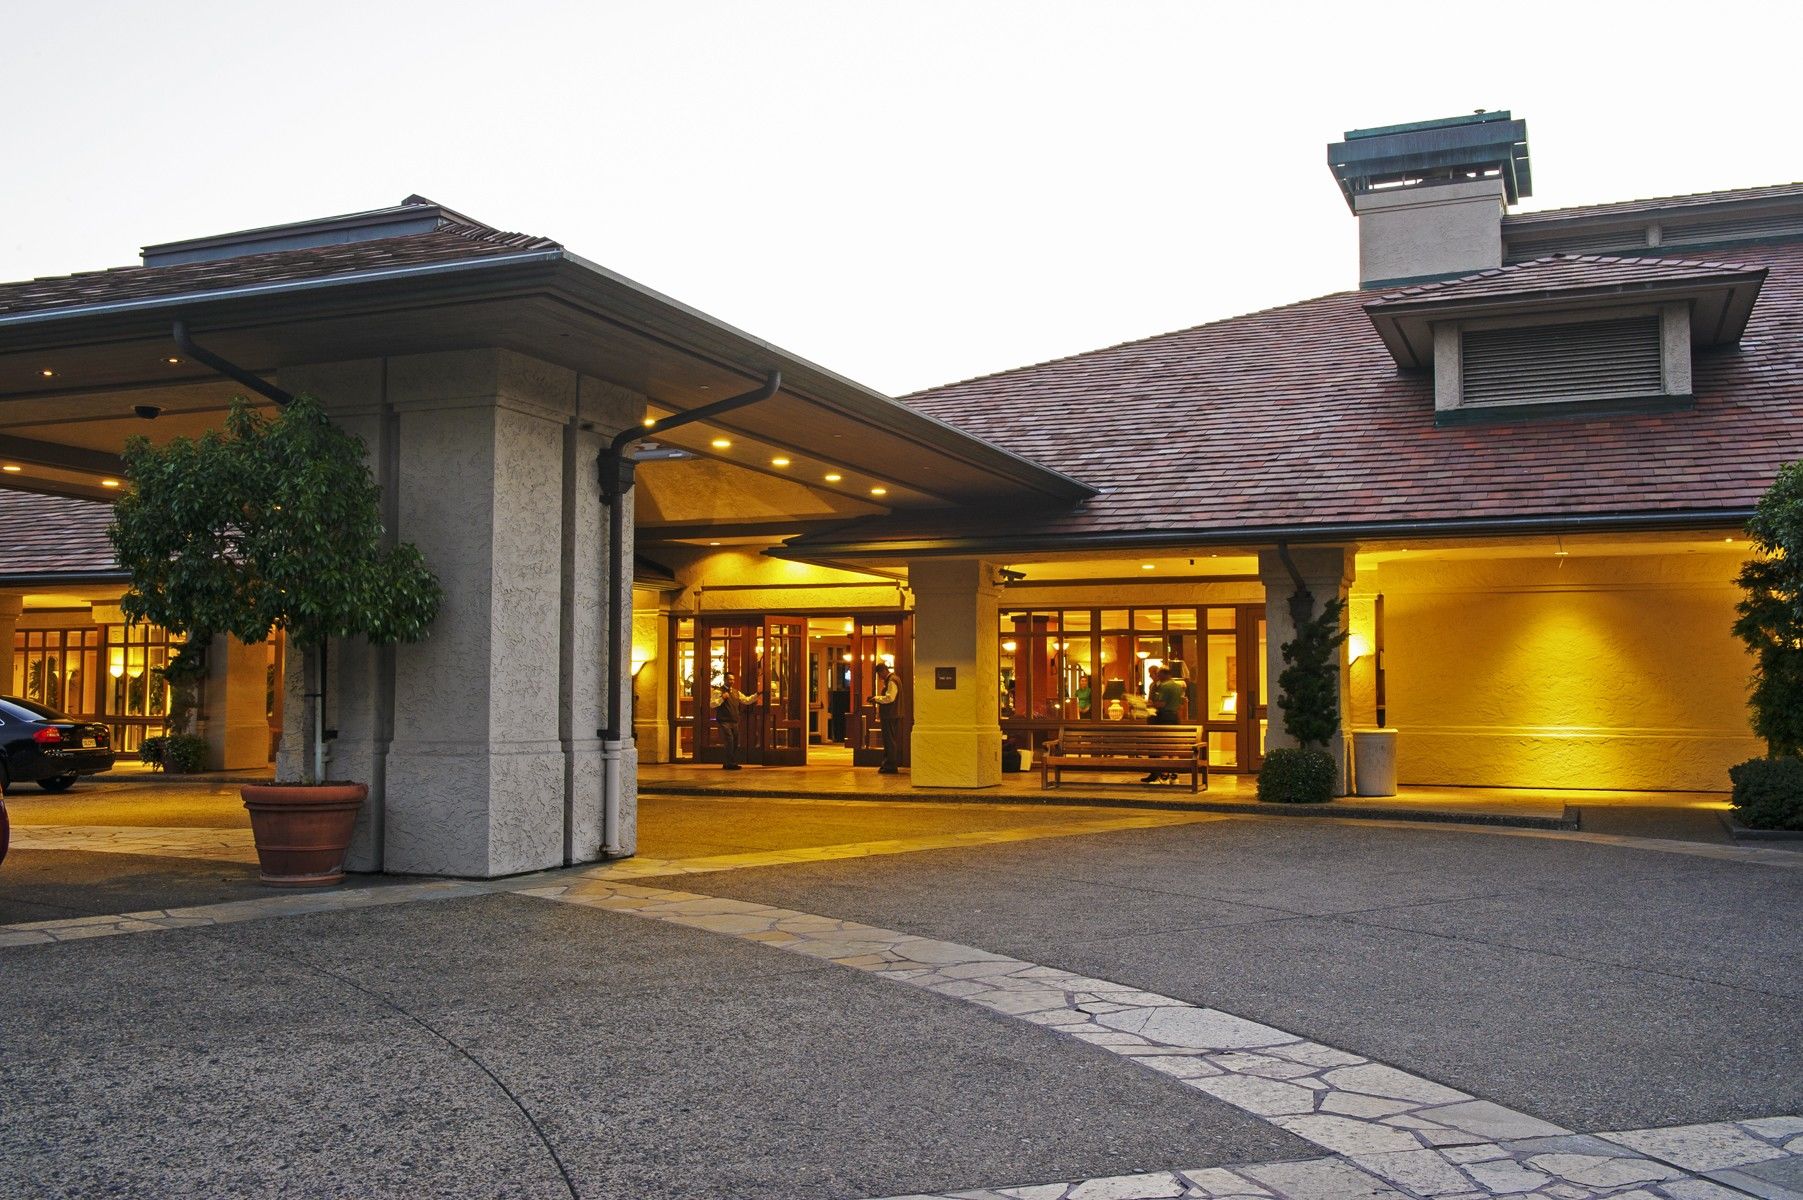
<point>734,654</point>
<point>785,691</point>
<point>888,640</point>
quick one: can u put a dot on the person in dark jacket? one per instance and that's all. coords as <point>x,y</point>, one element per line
<point>729,704</point>
<point>887,699</point>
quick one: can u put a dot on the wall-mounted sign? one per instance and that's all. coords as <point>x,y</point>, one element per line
<point>945,679</point>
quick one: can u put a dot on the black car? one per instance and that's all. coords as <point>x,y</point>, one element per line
<point>51,749</point>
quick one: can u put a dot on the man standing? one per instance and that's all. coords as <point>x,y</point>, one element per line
<point>1167,709</point>
<point>888,707</point>
<point>728,704</point>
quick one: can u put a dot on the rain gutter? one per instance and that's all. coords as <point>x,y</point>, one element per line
<point>928,547</point>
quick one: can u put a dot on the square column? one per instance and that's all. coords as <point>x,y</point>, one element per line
<point>12,606</point>
<point>236,723</point>
<point>1327,572</point>
<point>956,740</point>
<point>481,744</point>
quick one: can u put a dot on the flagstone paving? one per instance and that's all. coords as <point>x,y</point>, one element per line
<point>1416,1137</point>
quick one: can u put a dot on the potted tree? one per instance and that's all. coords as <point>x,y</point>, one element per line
<point>1768,791</point>
<point>1309,697</point>
<point>273,523</point>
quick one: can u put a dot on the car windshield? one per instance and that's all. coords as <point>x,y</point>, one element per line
<point>28,710</point>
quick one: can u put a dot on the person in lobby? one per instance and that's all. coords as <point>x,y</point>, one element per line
<point>1167,709</point>
<point>887,699</point>
<point>729,705</point>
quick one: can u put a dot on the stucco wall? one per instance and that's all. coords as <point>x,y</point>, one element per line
<point>1580,672</point>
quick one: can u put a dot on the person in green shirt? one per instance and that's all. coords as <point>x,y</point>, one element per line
<point>1167,709</point>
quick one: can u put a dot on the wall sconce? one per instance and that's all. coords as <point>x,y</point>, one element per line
<point>639,664</point>
<point>1356,648</point>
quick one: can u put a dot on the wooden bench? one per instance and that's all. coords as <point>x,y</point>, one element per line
<point>1125,747</point>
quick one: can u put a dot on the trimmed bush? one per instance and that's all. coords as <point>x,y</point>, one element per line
<point>1768,793</point>
<point>182,753</point>
<point>1296,776</point>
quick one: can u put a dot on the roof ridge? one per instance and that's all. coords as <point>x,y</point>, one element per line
<point>1601,208</point>
<point>1082,354</point>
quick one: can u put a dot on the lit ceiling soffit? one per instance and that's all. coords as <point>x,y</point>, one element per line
<point>272,316</point>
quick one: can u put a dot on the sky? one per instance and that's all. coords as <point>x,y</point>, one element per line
<point>905,193</point>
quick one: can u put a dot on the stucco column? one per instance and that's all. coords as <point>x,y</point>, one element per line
<point>1327,572</point>
<point>237,717</point>
<point>11,605</point>
<point>956,739</point>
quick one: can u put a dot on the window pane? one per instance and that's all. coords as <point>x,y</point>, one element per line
<point>1076,618</point>
<point>1148,618</point>
<point>1115,618</point>
<point>1180,618</point>
<point>1223,618</point>
<point>1223,677</point>
<point>1223,749</point>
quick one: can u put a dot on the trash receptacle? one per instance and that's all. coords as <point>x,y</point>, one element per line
<point>1374,762</point>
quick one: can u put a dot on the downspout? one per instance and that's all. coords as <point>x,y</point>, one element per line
<point>618,476</point>
<point>230,370</point>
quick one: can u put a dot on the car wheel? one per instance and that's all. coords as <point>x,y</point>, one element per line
<point>57,783</point>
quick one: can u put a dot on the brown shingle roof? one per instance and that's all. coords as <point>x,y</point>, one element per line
<point>54,535</point>
<point>1625,208</point>
<point>1560,272</point>
<point>447,243</point>
<point>1297,417</point>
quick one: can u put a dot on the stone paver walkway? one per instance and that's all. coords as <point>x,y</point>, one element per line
<point>1402,1135</point>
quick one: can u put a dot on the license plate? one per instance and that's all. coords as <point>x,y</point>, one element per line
<point>87,743</point>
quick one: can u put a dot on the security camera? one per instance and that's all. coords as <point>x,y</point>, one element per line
<point>149,412</point>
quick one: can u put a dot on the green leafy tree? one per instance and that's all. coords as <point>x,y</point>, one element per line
<point>1771,614</point>
<point>270,523</point>
<point>1308,686</point>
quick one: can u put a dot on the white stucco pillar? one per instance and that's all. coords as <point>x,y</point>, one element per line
<point>12,604</point>
<point>237,717</point>
<point>1327,572</point>
<point>956,739</point>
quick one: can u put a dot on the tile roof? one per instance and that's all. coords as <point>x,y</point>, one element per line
<point>1297,417</point>
<point>1626,208</point>
<point>1560,272</point>
<point>447,243</point>
<point>54,535</point>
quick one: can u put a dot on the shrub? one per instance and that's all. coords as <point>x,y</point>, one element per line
<point>1297,776</point>
<point>1771,620</point>
<point>1309,685</point>
<point>1768,792</point>
<point>150,751</point>
<point>183,753</point>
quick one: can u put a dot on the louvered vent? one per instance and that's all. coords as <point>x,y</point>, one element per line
<point>1588,360</point>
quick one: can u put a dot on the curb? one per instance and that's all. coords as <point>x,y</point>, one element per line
<point>1568,821</point>
<point>1746,833</point>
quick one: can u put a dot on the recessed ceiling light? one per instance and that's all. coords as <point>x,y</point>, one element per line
<point>713,543</point>
<point>47,373</point>
<point>720,444</point>
<point>109,483</point>
<point>833,477</point>
<point>779,461</point>
<point>172,361</point>
<point>1148,566</point>
<point>879,491</point>
<point>12,469</point>
<point>648,422</point>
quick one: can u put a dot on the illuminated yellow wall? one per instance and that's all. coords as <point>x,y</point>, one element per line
<point>1612,672</point>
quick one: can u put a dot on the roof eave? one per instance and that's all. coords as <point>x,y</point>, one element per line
<point>1525,524</point>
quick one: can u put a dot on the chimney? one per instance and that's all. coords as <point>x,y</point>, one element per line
<point>1430,195</point>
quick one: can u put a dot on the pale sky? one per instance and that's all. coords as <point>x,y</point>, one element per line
<point>907,193</point>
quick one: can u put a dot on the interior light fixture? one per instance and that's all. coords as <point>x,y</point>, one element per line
<point>833,477</point>
<point>1148,566</point>
<point>12,468</point>
<point>47,373</point>
<point>1561,551</point>
<point>779,461</point>
<point>1010,647</point>
<point>1356,647</point>
<point>879,491</point>
<point>721,444</point>
<point>172,360</point>
<point>713,543</point>
<point>109,483</point>
<point>649,422</point>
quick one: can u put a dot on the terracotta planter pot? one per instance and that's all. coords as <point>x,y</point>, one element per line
<point>302,832</point>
